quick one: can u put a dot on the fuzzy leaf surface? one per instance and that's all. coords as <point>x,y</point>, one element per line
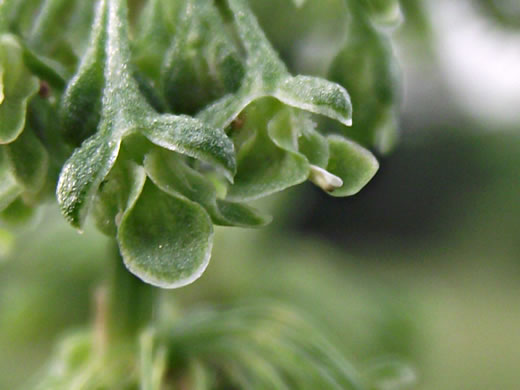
<point>267,75</point>
<point>125,111</point>
<point>174,176</point>
<point>352,163</point>
<point>267,160</point>
<point>203,63</point>
<point>165,239</point>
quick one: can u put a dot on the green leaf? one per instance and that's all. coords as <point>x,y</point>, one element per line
<point>353,164</point>
<point>202,64</point>
<point>366,67</point>
<point>46,29</point>
<point>46,69</point>
<point>28,161</point>
<point>294,130</point>
<point>165,239</point>
<point>267,75</point>
<point>288,129</point>
<point>318,96</point>
<point>312,144</point>
<point>267,162</point>
<point>124,111</point>
<point>18,213</point>
<point>9,188</point>
<point>82,174</point>
<point>387,12</point>
<point>173,176</point>
<point>153,38</point>
<point>117,192</point>
<point>17,86</point>
<point>192,137</point>
<point>80,23</point>
<point>80,109</point>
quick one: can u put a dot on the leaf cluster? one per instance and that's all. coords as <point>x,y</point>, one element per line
<point>161,119</point>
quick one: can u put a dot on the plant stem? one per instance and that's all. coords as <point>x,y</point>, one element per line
<point>131,303</point>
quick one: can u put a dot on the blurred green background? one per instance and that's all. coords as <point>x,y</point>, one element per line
<point>423,266</point>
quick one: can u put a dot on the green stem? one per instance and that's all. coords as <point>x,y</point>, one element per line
<point>131,303</point>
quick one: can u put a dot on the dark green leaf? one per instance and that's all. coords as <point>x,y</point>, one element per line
<point>46,69</point>
<point>82,174</point>
<point>18,213</point>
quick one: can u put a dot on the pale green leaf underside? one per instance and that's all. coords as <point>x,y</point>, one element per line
<point>124,111</point>
<point>17,86</point>
<point>165,239</point>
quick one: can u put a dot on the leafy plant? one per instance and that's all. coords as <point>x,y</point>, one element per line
<point>166,120</point>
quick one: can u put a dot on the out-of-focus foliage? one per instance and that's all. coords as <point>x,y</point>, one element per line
<point>212,330</point>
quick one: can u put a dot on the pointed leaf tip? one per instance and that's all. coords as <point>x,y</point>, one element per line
<point>352,163</point>
<point>81,176</point>
<point>318,96</point>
